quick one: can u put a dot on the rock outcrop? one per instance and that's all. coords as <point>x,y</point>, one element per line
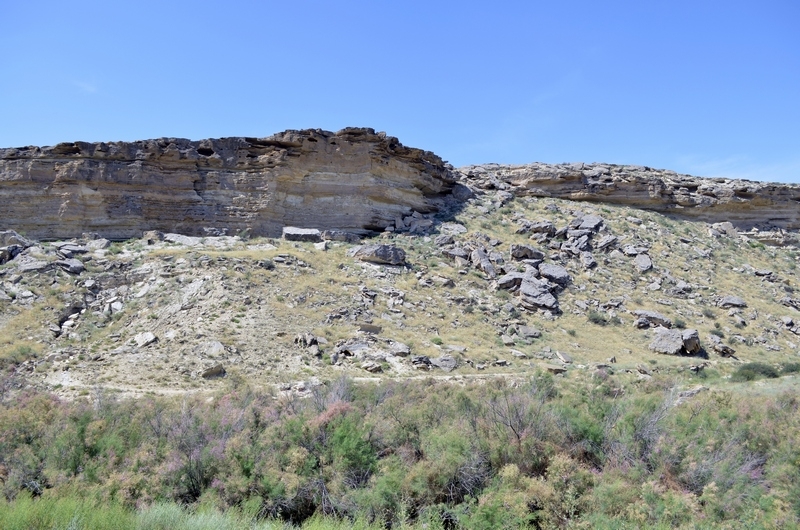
<point>354,180</point>
<point>743,203</point>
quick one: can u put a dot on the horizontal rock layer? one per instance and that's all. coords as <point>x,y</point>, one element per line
<point>354,180</point>
<point>744,203</point>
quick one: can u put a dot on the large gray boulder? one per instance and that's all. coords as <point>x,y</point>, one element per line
<point>726,302</point>
<point>555,273</point>
<point>71,265</point>
<point>292,233</point>
<point>381,254</point>
<point>654,318</point>
<point>676,342</point>
<point>535,294</point>
<point>526,252</point>
<point>643,262</point>
<point>10,237</point>
<point>448,363</point>
<point>480,259</point>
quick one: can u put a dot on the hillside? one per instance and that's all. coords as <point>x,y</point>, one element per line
<point>393,342</point>
<point>503,277</point>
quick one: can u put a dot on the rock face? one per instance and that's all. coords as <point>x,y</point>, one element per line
<point>354,180</point>
<point>745,204</point>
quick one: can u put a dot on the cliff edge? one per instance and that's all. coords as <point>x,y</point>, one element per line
<point>354,179</point>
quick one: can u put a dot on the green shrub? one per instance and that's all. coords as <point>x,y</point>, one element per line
<point>680,323</point>
<point>791,368</point>
<point>596,317</point>
<point>437,340</point>
<point>753,371</point>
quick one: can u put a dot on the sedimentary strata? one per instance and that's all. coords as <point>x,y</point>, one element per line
<point>744,203</point>
<point>355,180</point>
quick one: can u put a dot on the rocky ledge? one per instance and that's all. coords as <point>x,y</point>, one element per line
<point>746,204</point>
<point>354,180</point>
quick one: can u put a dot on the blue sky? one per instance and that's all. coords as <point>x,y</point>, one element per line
<point>706,88</point>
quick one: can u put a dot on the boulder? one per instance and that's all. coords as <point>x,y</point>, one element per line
<point>381,254</point>
<point>10,237</point>
<point>555,273</point>
<point>72,265</point>
<point>726,302</point>
<point>607,242</point>
<point>371,367</point>
<point>293,233</point>
<point>528,332</point>
<point>448,363</point>
<point>668,341</point>
<point>535,294</point>
<point>676,342</point>
<point>456,252</point>
<point>399,349</point>
<point>722,349</point>
<point>482,262</point>
<point>654,318</point>
<point>526,252</point>
<point>99,244</point>
<point>691,341</point>
<point>643,262</point>
<point>8,253</point>
<point>591,222</point>
<point>213,372</point>
<point>443,239</point>
<point>340,235</point>
<point>553,368</point>
<point>145,339</point>
<point>510,281</point>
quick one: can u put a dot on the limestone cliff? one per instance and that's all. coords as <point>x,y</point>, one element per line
<point>355,179</point>
<point>744,203</point>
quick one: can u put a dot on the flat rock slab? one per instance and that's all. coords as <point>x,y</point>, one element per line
<point>555,273</point>
<point>553,368</point>
<point>292,233</point>
<point>528,332</point>
<point>71,265</point>
<point>726,302</point>
<point>654,318</point>
<point>180,239</point>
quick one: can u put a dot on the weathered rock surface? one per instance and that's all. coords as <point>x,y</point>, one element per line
<point>744,204</point>
<point>355,180</point>
<point>676,341</point>
<point>381,254</point>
